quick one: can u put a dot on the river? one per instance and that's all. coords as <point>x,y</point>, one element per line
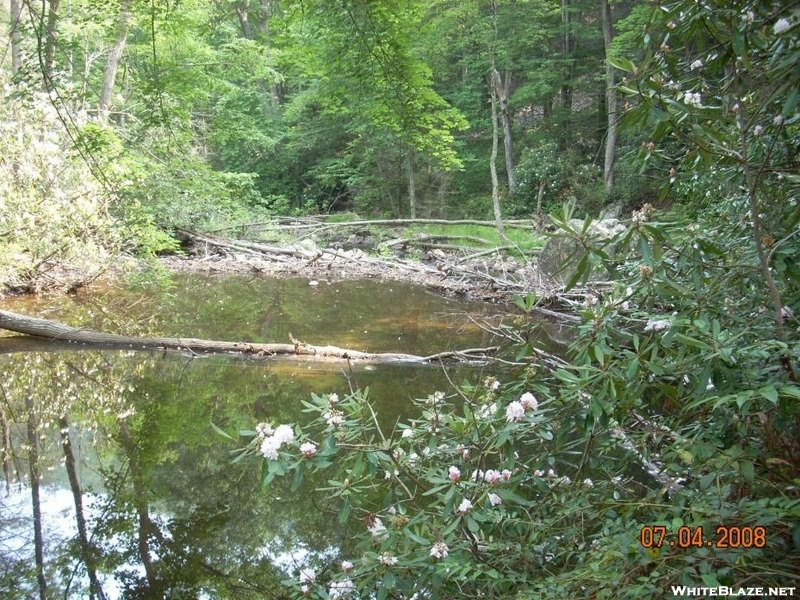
<point>166,511</point>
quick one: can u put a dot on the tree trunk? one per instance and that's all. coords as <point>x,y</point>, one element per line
<point>498,215</point>
<point>412,185</point>
<point>58,331</point>
<point>112,64</point>
<point>87,552</point>
<point>494,86</point>
<point>35,477</point>
<point>51,36</point>
<point>611,98</point>
<point>503,90</point>
<point>16,56</point>
<point>539,199</point>
<point>269,95</point>
<point>146,525</point>
<point>7,449</point>
<point>566,86</point>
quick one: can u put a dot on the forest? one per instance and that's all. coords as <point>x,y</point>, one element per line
<point>650,147</point>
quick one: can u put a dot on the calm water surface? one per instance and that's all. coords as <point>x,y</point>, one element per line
<point>167,513</point>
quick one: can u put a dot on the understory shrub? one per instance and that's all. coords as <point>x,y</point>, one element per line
<point>55,226</point>
<point>663,452</point>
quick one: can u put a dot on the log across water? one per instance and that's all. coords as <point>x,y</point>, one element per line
<point>44,329</point>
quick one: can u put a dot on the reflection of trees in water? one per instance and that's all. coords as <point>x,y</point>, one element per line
<point>158,507</point>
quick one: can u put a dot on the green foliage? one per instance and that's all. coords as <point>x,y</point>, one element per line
<point>677,409</point>
<point>677,406</point>
<point>55,226</point>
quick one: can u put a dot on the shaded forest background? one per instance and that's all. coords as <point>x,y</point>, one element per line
<point>200,112</point>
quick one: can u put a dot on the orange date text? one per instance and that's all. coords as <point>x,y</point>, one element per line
<point>737,536</point>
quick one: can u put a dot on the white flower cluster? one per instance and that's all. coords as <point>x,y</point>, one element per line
<point>517,409</point>
<point>273,440</point>
<point>657,324</point>
<point>341,589</point>
<point>781,26</point>
<point>439,550</point>
<point>692,99</point>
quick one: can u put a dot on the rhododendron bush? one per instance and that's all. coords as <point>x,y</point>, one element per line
<point>54,215</point>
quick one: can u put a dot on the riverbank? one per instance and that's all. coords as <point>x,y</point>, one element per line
<point>489,278</point>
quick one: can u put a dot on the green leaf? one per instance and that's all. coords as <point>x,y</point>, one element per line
<point>223,433</point>
<point>389,580</point>
<point>623,64</point>
<point>344,512</point>
<point>580,271</point>
<point>770,393</point>
<point>791,103</point>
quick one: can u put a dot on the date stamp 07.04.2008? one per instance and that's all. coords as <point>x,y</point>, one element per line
<point>722,536</point>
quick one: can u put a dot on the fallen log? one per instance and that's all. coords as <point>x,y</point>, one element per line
<point>44,329</point>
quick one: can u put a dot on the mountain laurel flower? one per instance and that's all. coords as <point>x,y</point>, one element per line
<point>333,398</point>
<point>492,477</point>
<point>377,529</point>
<point>439,550</point>
<point>491,384</point>
<point>284,434</point>
<point>778,120</point>
<point>341,589</point>
<point>588,483</point>
<point>264,429</point>
<point>758,130</point>
<point>407,433</point>
<point>307,576</point>
<point>551,473</point>
<point>657,324</point>
<point>305,589</point>
<point>347,566</point>
<point>465,506</point>
<point>388,560</point>
<point>495,500</point>
<point>435,398</point>
<point>269,447</point>
<point>334,417</point>
<point>308,449</point>
<point>693,98</point>
<point>781,26</point>
<point>529,401</point>
<point>487,410</point>
<point>453,474</point>
<point>505,474</point>
<point>515,411</point>
<point>538,473</point>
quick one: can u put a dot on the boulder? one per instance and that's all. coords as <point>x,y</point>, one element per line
<point>560,255</point>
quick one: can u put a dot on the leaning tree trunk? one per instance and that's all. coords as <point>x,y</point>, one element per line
<point>112,64</point>
<point>87,552</point>
<point>146,525</point>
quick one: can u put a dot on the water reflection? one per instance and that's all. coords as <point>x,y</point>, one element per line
<point>127,492</point>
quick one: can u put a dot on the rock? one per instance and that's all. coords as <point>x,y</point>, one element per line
<point>561,255</point>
